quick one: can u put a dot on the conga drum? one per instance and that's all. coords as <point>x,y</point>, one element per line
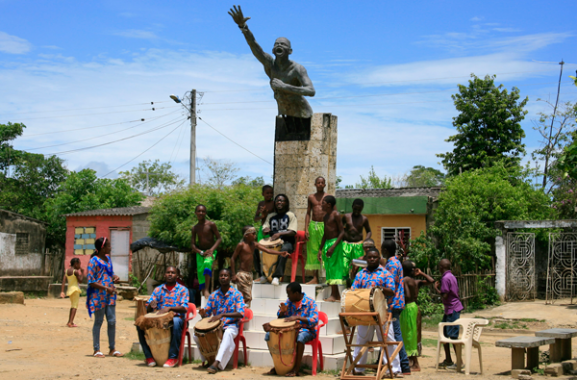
<point>157,333</point>
<point>363,301</point>
<point>209,337</point>
<point>282,345</point>
<point>268,260</point>
<point>140,306</point>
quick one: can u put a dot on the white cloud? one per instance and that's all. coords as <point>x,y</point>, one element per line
<point>476,18</point>
<point>136,33</point>
<point>13,45</point>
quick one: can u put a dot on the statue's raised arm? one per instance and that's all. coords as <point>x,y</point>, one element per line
<point>289,80</point>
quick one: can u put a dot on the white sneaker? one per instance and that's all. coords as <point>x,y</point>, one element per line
<point>275,281</point>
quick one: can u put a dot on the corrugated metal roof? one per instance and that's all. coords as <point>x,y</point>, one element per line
<point>119,211</point>
<point>386,205</point>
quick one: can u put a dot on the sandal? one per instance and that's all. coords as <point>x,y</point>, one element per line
<point>99,354</point>
<point>117,354</point>
<point>212,370</point>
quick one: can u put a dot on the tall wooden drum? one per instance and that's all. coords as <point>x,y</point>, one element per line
<point>140,306</point>
<point>209,337</point>
<point>268,260</point>
<point>363,301</point>
<point>157,333</point>
<point>282,345</point>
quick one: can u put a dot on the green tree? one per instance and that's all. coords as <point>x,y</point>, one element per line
<point>231,208</point>
<point>83,191</point>
<point>488,126</point>
<point>248,181</point>
<point>8,155</point>
<point>373,181</point>
<point>153,178</point>
<point>219,172</point>
<point>421,176</point>
<point>472,202</point>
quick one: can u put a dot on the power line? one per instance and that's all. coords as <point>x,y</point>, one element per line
<point>234,142</point>
<point>146,150</point>
<point>78,129</point>
<point>98,113</point>
<point>89,108</point>
<point>178,143</point>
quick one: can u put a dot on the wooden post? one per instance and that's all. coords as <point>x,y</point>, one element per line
<point>517,358</point>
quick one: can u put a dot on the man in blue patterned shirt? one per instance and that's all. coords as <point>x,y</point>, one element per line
<point>171,296</point>
<point>397,304</point>
<point>225,303</point>
<point>373,276</point>
<point>299,308</point>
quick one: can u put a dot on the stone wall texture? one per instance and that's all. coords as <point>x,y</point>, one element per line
<point>298,163</point>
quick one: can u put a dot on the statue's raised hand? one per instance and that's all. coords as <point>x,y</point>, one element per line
<point>237,16</point>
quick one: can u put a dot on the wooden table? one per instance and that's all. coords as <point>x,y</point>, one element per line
<point>520,344</point>
<point>561,349</point>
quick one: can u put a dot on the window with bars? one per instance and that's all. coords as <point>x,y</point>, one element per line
<point>397,234</point>
<point>22,243</point>
<point>84,238</point>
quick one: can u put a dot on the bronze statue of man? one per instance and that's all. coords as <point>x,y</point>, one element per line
<point>289,80</point>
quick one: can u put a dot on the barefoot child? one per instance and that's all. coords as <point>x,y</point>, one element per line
<point>205,249</point>
<point>354,223</point>
<point>264,208</point>
<point>408,318</point>
<point>314,228</point>
<point>74,275</point>
<point>331,251</point>
<point>244,253</point>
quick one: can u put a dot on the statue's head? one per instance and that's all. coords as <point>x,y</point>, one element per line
<point>282,47</point>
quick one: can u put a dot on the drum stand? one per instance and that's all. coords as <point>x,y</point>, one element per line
<point>347,372</point>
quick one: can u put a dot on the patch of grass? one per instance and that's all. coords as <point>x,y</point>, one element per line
<point>331,372</point>
<point>429,342</point>
<point>129,319</point>
<point>530,320</point>
<point>432,321</point>
<point>35,295</point>
<point>539,371</point>
<point>134,355</point>
<point>513,325</point>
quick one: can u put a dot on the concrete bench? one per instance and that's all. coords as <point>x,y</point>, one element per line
<point>519,344</point>
<point>561,349</point>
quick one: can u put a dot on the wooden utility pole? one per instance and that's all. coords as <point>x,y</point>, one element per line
<point>192,137</point>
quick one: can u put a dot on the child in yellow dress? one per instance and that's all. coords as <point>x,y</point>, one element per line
<point>74,275</point>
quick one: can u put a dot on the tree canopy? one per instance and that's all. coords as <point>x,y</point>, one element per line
<point>488,125</point>
<point>421,176</point>
<point>153,177</point>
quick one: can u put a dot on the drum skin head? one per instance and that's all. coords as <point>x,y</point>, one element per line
<point>281,323</point>
<point>380,303</point>
<point>141,298</point>
<point>154,315</point>
<point>268,243</point>
<point>205,325</point>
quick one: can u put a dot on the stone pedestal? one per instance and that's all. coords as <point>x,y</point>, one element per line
<point>298,163</point>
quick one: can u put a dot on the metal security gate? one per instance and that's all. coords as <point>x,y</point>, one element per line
<point>561,266</point>
<point>521,266</point>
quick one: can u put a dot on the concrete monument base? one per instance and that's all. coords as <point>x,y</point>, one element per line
<point>298,163</point>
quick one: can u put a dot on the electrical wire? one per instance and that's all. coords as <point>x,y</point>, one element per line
<point>234,142</point>
<point>146,150</point>
<point>178,143</point>
<point>89,108</point>
<point>79,129</point>
<point>98,113</point>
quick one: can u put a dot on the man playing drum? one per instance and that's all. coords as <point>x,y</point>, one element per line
<point>171,296</point>
<point>281,224</point>
<point>299,308</point>
<point>373,276</point>
<point>225,303</point>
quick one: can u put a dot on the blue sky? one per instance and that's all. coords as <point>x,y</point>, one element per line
<point>81,74</point>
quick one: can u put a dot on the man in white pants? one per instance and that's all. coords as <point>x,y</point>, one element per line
<point>374,276</point>
<point>225,303</point>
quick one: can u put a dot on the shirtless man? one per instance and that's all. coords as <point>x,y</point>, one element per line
<point>314,228</point>
<point>354,223</point>
<point>331,251</point>
<point>289,80</point>
<point>205,248</point>
<point>409,316</point>
<point>264,207</point>
<point>244,253</point>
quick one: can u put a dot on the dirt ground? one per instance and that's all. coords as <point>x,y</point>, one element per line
<point>36,344</point>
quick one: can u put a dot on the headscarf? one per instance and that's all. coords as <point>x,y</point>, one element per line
<point>250,230</point>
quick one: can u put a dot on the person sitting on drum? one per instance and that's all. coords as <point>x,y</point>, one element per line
<point>225,303</point>
<point>374,275</point>
<point>171,296</point>
<point>299,308</point>
<point>281,224</point>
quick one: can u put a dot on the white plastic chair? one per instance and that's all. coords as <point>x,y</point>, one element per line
<point>469,335</point>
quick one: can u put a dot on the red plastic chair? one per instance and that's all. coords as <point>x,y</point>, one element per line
<point>190,314</point>
<point>239,338</point>
<point>316,343</point>
<point>298,254</point>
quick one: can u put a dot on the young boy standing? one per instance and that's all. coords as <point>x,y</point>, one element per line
<point>244,254</point>
<point>449,292</point>
<point>331,251</point>
<point>264,208</point>
<point>354,223</point>
<point>314,228</point>
<point>205,241</point>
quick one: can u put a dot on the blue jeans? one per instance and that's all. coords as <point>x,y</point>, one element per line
<point>110,312</point>
<point>399,338</point>
<point>451,331</point>
<point>174,340</point>
<point>304,336</point>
